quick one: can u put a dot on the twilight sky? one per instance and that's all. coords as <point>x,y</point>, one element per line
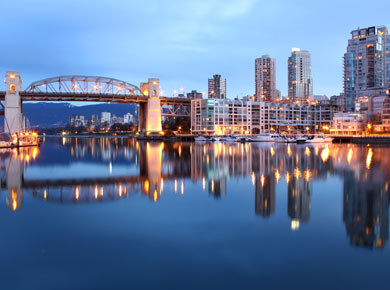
<point>181,42</point>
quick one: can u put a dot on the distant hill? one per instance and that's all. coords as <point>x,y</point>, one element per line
<point>49,115</point>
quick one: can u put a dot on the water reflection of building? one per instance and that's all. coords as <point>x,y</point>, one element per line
<point>265,195</point>
<point>217,188</point>
<point>299,195</point>
<point>366,210</point>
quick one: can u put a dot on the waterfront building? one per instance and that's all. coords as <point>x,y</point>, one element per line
<point>105,117</point>
<point>300,82</point>
<point>365,63</point>
<point>128,118</point>
<point>265,83</point>
<point>77,120</point>
<point>194,95</point>
<point>347,124</point>
<point>95,119</point>
<point>227,117</point>
<point>217,87</point>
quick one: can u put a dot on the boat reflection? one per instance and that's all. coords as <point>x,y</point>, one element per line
<point>167,167</point>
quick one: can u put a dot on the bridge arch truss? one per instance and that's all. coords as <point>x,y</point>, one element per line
<point>84,85</point>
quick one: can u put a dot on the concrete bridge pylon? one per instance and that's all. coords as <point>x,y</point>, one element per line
<point>13,118</point>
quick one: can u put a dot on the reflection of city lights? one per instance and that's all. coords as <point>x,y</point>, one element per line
<point>179,151</point>
<point>289,150</point>
<point>307,151</point>
<point>204,183</point>
<point>182,187</point>
<point>175,185</point>
<point>297,173</point>
<point>295,224</point>
<point>146,186</point>
<point>77,195</point>
<point>161,185</point>
<point>253,178</point>
<point>369,158</point>
<point>34,153</point>
<point>325,154</point>
<point>307,175</point>
<point>349,156</point>
<point>120,190</point>
<point>272,151</point>
<point>44,194</point>
<point>96,192</point>
<point>155,195</point>
<point>262,180</point>
<point>14,197</point>
<point>110,167</point>
<point>277,175</point>
<point>212,185</point>
<point>287,177</point>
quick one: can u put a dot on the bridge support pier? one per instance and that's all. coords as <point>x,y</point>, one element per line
<point>150,113</point>
<point>13,118</point>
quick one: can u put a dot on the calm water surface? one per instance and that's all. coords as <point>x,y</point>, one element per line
<point>85,213</point>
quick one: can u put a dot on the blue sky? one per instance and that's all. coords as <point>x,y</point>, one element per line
<point>181,42</point>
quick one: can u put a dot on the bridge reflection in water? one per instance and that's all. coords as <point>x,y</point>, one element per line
<point>166,167</point>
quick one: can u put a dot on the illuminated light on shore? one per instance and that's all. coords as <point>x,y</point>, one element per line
<point>295,224</point>
<point>349,156</point>
<point>369,158</point>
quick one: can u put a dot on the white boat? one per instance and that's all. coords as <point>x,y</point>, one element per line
<point>300,140</point>
<point>215,138</point>
<point>243,139</point>
<point>201,138</point>
<point>227,139</point>
<point>319,139</point>
<point>265,137</point>
<point>285,139</point>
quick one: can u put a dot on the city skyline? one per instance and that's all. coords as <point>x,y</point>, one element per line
<point>185,50</point>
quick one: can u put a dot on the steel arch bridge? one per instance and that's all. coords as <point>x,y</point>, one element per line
<point>84,85</point>
<point>77,88</point>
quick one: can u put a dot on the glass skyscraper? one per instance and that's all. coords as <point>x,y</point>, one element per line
<point>365,63</point>
<point>300,83</point>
